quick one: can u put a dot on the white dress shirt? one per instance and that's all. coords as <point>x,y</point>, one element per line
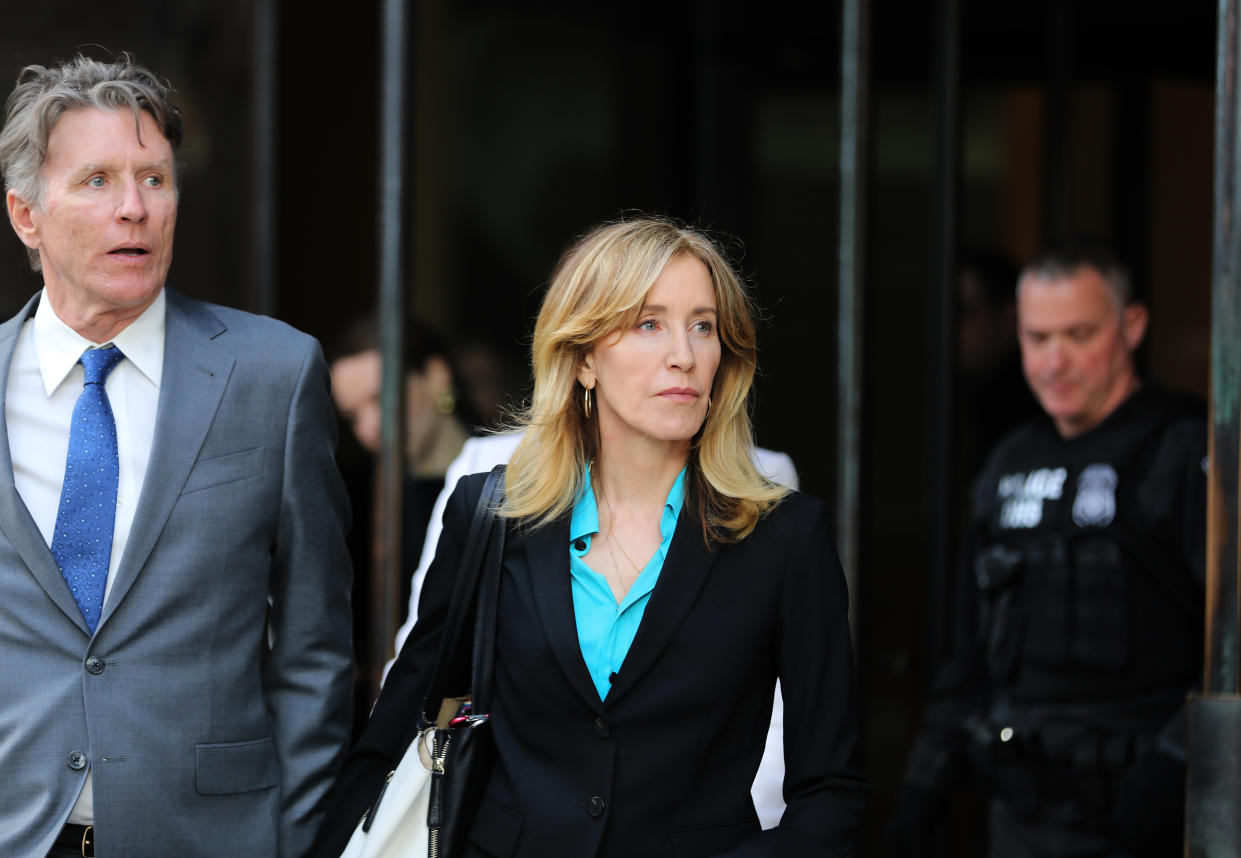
<point>43,386</point>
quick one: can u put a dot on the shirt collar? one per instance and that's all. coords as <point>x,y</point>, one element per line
<point>672,506</point>
<point>57,346</point>
<point>585,518</point>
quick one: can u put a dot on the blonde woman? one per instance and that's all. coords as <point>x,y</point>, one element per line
<point>654,588</point>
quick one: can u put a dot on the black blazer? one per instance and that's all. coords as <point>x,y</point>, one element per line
<point>663,766</point>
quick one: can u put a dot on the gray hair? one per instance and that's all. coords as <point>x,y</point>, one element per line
<point>1064,261</point>
<point>43,95</point>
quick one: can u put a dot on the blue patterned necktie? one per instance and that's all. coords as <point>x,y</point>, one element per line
<point>82,541</point>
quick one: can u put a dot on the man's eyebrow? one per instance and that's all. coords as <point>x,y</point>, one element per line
<point>107,167</point>
<point>93,167</point>
<point>1062,329</point>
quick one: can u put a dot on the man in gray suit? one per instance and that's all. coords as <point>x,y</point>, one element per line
<point>174,628</point>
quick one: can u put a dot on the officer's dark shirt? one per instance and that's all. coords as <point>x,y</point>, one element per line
<point>1083,576</point>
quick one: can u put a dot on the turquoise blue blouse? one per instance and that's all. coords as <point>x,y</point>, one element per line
<point>605,630</point>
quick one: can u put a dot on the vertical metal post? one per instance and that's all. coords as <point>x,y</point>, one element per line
<point>1213,827</point>
<point>393,211</point>
<point>263,142</point>
<point>854,139</point>
<point>942,313</point>
<point>1221,673</point>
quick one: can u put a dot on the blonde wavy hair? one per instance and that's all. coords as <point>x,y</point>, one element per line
<point>599,287</point>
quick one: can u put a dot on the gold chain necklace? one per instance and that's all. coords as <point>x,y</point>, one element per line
<point>612,538</point>
<point>616,571</point>
<point>616,567</point>
<point>636,571</point>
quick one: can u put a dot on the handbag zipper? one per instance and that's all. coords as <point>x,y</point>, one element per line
<point>443,751</point>
<point>436,812</point>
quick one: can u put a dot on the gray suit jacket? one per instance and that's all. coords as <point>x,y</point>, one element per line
<point>212,703</point>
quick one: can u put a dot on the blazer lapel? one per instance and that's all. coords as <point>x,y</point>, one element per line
<point>547,556</point>
<point>684,572</point>
<point>196,372</point>
<point>15,519</point>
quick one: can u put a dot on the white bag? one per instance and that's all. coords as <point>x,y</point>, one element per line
<point>398,820</point>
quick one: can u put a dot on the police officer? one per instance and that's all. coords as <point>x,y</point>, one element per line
<point>1079,622</point>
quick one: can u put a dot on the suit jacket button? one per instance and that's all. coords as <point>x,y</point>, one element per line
<point>95,665</point>
<point>602,730</point>
<point>77,760</point>
<point>597,807</point>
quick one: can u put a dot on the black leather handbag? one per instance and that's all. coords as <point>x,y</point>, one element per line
<point>428,801</point>
<point>461,744</point>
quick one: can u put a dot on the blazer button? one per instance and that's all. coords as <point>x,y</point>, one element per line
<point>95,665</point>
<point>77,760</point>
<point>602,730</point>
<point>597,806</point>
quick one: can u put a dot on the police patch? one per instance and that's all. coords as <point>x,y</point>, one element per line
<point>1095,504</point>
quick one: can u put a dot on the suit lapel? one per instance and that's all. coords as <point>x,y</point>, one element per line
<point>196,372</point>
<point>547,556</point>
<point>684,572</point>
<point>15,519</point>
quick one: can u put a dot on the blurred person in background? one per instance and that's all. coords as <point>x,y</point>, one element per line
<point>1079,623</point>
<point>438,419</point>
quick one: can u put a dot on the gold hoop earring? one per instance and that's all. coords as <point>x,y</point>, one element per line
<point>586,401</point>
<point>446,402</point>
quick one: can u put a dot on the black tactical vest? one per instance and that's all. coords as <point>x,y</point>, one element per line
<point>1084,592</point>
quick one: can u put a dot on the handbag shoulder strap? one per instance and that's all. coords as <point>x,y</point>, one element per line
<point>486,527</point>
<point>485,617</point>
